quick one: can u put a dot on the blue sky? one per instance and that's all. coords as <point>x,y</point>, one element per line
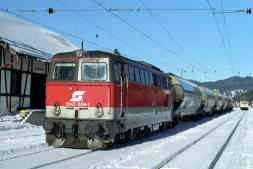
<point>194,44</point>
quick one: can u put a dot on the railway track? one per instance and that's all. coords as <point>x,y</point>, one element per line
<point>63,160</point>
<point>223,147</point>
<point>44,149</point>
<point>24,136</point>
<point>170,158</point>
<point>77,156</point>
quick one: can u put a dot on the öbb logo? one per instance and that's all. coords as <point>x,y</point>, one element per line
<point>77,96</point>
<point>77,100</point>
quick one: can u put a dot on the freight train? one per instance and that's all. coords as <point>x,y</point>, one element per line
<point>97,98</point>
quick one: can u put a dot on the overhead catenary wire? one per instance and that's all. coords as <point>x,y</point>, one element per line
<point>223,39</point>
<point>112,35</point>
<point>163,27</point>
<point>101,28</point>
<point>227,37</point>
<point>139,10</point>
<point>216,24</point>
<point>218,28</point>
<point>136,29</point>
<point>112,10</point>
<point>58,30</point>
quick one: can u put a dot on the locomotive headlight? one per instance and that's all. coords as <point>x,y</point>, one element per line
<point>99,110</point>
<point>57,109</point>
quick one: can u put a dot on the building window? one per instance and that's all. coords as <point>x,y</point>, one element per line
<point>15,83</point>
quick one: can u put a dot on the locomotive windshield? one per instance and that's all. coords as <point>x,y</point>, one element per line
<point>94,71</point>
<point>64,71</point>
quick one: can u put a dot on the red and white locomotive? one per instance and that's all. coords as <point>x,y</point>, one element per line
<point>94,98</point>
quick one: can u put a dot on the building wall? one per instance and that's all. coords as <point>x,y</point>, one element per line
<point>16,71</point>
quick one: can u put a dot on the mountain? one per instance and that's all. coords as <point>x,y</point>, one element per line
<point>234,83</point>
<point>240,88</point>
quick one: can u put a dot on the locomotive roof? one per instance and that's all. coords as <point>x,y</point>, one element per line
<point>101,54</point>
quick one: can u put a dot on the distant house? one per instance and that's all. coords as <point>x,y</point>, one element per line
<point>25,52</point>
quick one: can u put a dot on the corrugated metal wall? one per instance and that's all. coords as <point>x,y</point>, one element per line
<point>15,81</point>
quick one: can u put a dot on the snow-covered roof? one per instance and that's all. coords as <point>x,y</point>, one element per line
<point>30,39</point>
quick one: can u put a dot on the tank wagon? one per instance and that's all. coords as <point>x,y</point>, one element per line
<point>209,109</point>
<point>96,98</point>
<point>193,101</point>
<point>188,99</point>
<point>218,100</point>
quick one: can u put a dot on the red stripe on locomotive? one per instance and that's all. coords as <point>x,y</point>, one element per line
<point>107,94</point>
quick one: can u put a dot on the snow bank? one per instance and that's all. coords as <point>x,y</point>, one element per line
<point>34,36</point>
<point>15,138</point>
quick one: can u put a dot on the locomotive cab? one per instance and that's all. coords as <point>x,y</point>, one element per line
<point>78,104</point>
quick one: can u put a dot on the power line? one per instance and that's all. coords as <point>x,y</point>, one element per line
<point>139,10</point>
<point>57,30</point>
<point>218,27</point>
<point>227,35</point>
<point>216,23</point>
<point>93,43</point>
<point>82,18</point>
<point>162,26</point>
<point>101,28</point>
<point>136,29</point>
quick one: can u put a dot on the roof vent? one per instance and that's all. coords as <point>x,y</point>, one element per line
<point>116,52</point>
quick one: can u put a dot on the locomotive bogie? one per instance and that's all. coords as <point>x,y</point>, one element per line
<point>79,133</point>
<point>106,130</point>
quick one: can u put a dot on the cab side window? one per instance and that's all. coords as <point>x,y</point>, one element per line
<point>151,79</point>
<point>142,77</point>
<point>117,71</point>
<point>126,72</point>
<point>131,73</point>
<point>146,78</point>
<point>137,75</point>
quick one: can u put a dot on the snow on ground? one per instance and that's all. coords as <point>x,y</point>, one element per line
<point>239,153</point>
<point>140,154</point>
<point>201,154</point>
<point>16,137</point>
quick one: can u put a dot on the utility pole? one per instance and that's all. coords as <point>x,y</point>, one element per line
<point>182,72</point>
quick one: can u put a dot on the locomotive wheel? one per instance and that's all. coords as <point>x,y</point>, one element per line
<point>58,142</point>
